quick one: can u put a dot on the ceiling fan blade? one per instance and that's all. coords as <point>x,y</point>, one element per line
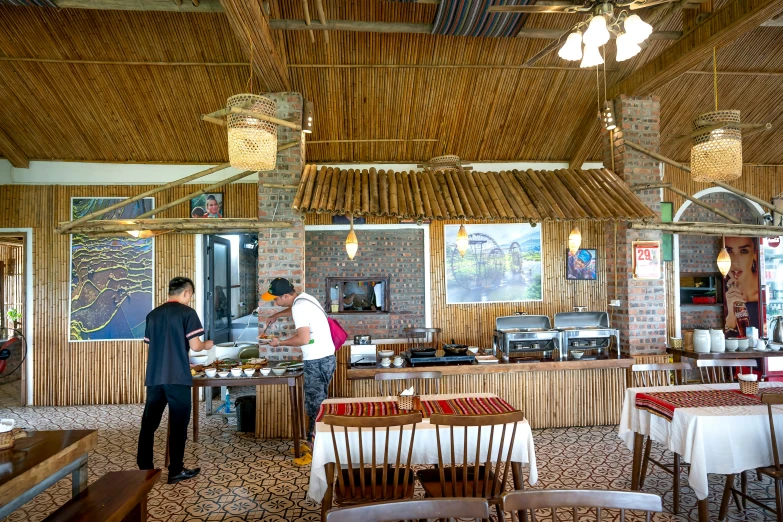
<point>533,9</point>
<point>641,4</point>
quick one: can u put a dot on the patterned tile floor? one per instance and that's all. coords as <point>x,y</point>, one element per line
<point>10,394</point>
<point>247,479</point>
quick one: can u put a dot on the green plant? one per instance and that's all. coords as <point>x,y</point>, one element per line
<point>14,315</point>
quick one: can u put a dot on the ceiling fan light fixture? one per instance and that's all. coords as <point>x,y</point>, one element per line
<point>638,29</point>
<point>626,47</point>
<point>572,49</point>
<point>597,33</point>
<point>592,57</point>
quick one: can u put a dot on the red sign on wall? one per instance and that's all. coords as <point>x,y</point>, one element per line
<point>773,242</point>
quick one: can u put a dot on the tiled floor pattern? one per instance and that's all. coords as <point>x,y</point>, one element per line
<point>10,394</point>
<point>245,479</point>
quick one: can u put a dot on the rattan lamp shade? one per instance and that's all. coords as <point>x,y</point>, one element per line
<point>449,161</point>
<point>716,155</point>
<point>252,143</point>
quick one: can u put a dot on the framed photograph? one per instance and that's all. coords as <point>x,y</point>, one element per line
<point>111,286</point>
<point>646,259</point>
<point>502,264</point>
<point>583,266</point>
<point>207,206</point>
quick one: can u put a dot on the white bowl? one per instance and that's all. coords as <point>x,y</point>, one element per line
<point>210,372</point>
<point>198,359</point>
<point>398,363</point>
<point>385,363</point>
<point>236,372</point>
<point>386,353</point>
<point>743,343</point>
<point>249,371</point>
<point>732,343</point>
<point>279,371</point>
<point>265,371</point>
<point>576,354</point>
<point>473,349</point>
<point>223,374</point>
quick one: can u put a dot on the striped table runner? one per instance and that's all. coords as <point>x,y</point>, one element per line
<point>461,406</point>
<point>663,404</point>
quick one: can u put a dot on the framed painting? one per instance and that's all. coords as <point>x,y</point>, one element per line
<point>207,206</point>
<point>583,266</point>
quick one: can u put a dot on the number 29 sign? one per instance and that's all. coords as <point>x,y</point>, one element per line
<point>647,259</point>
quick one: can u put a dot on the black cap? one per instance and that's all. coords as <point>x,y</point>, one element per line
<point>279,286</point>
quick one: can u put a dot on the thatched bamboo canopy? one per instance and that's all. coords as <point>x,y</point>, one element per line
<point>532,195</point>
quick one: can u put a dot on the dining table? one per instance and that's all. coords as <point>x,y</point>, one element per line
<point>39,460</point>
<point>713,427</point>
<point>425,443</point>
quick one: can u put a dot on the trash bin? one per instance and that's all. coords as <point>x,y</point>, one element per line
<point>246,413</point>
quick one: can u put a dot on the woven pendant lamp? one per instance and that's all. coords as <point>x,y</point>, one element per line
<point>252,143</point>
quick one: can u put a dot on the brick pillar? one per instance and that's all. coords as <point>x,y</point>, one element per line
<point>641,316</point>
<point>281,251</point>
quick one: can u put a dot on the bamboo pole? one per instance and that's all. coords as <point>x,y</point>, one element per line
<point>717,229</point>
<point>668,186</point>
<point>319,7</point>
<point>67,226</point>
<point>307,20</point>
<point>764,204</point>
<point>279,186</point>
<point>197,193</point>
<point>270,119</point>
<point>383,194</point>
<point>122,225</point>
<point>751,128</point>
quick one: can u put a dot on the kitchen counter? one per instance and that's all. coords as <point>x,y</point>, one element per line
<point>746,354</point>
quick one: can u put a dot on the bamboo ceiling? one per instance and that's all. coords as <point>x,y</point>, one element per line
<point>535,196</point>
<point>469,94</point>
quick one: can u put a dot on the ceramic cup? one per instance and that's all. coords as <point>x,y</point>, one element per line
<point>385,362</point>
<point>249,371</point>
<point>743,343</point>
<point>265,371</point>
<point>210,372</point>
<point>236,372</point>
<point>732,343</point>
<point>397,361</point>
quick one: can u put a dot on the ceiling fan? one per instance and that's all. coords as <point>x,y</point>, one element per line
<point>568,6</point>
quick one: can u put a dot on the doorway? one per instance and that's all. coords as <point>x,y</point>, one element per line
<point>13,309</point>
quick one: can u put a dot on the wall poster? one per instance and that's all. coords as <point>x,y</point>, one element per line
<point>111,277</point>
<point>582,266</point>
<point>502,264</point>
<point>207,206</point>
<point>742,287</point>
<point>646,259</point>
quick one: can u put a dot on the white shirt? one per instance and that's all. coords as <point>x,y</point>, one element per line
<point>311,314</point>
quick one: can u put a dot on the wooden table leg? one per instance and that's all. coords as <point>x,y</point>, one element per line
<point>744,488</point>
<point>301,407</point>
<point>195,414</point>
<point>724,503</point>
<point>519,484</point>
<point>326,502</point>
<point>638,443</point>
<point>79,479</point>
<point>704,510</point>
<point>294,415</point>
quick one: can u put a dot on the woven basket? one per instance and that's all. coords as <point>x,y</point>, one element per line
<point>7,438</point>
<point>449,161</point>
<point>749,387</point>
<point>717,155</point>
<point>252,143</point>
<point>675,342</point>
<point>407,402</point>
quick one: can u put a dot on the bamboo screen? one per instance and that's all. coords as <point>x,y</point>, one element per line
<point>12,258</point>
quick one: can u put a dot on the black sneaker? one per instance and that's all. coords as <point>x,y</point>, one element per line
<point>185,474</point>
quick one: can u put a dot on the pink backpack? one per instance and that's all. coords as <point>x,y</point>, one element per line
<point>335,329</point>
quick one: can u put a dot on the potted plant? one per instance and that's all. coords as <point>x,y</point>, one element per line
<point>15,316</point>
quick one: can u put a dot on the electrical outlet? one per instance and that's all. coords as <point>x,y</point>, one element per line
<point>614,302</point>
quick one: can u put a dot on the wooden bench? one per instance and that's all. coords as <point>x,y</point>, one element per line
<point>115,497</point>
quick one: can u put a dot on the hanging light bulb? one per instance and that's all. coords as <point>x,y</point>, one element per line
<point>597,34</point>
<point>462,240</point>
<point>608,116</point>
<point>626,47</point>
<point>592,57</point>
<point>572,49</point>
<point>638,29</point>
<point>574,240</point>
<point>351,242</point>
<point>724,260</point>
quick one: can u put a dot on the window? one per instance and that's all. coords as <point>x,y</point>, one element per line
<point>357,295</point>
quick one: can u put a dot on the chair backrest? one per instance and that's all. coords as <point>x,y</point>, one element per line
<point>423,337</point>
<point>714,371</point>
<point>520,501</point>
<point>419,509</point>
<point>769,399</point>
<point>499,449</point>
<point>665,374</point>
<point>385,424</point>
<point>392,383</point>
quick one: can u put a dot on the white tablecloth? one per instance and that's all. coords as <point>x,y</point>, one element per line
<point>425,445</point>
<point>721,440</point>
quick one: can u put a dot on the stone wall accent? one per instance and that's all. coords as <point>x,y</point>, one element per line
<point>281,251</point>
<point>641,318</point>
<point>396,254</point>
<point>248,283</point>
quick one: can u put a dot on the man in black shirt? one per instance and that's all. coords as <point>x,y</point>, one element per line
<point>172,329</point>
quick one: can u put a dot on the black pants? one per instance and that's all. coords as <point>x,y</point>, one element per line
<point>177,396</point>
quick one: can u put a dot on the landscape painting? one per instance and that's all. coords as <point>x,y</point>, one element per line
<point>111,277</point>
<point>502,264</point>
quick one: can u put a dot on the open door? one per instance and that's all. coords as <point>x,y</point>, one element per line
<point>217,309</point>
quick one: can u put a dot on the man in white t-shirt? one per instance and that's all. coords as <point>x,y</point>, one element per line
<point>312,335</point>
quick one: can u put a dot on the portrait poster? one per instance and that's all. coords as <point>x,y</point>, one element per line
<point>582,266</point>
<point>111,287</point>
<point>208,205</point>
<point>742,287</point>
<point>502,264</point>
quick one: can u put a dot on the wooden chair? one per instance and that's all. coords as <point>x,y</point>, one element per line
<point>116,496</point>
<point>521,501</point>
<point>419,509</point>
<point>717,371</point>
<point>392,383</point>
<point>473,478</point>
<point>370,481</point>
<point>666,374</point>
<point>423,337</point>
<point>775,472</point>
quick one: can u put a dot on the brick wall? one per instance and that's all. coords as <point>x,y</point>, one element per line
<point>711,317</point>
<point>396,254</point>
<point>641,318</point>
<point>281,250</point>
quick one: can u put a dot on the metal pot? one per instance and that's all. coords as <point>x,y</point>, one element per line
<point>362,339</point>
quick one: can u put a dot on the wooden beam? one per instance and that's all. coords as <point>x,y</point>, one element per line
<point>202,6</point>
<point>192,225</point>
<point>695,46</point>
<point>319,7</point>
<point>717,229</point>
<point>11,151</point>
<point>251,26</point>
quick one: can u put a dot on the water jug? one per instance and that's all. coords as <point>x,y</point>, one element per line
<point>777,329</point>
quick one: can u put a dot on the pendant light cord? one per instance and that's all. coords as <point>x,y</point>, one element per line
<point>604,57</point>
<point>715,75</point>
